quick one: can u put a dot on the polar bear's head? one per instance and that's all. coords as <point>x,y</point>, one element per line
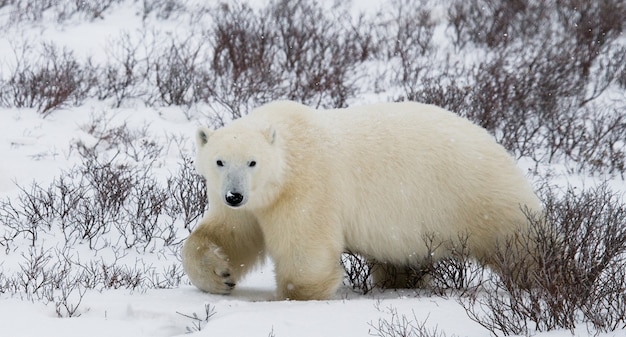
<point>242,164</point>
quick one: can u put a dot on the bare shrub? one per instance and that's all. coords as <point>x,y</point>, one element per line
<point>29,10</point>
<point>6,2</point>
<point>500,107</point>
<point>515,105</point>
<point>595,25</point>
<point>58,276</point>
<point>4,283</point>
<point>605,73</point>
<point>55,80</point>
<point>242,72</point>
<point>538,104</point>
<point>163,9</point>
<point>107,195</point>
<point>358,272</point>
<point>29,215</point>
<point>89,9</point>
<point>495,23</point>
<point>290,49</point>
<point>102,203</point>
<point>410,31</point>
<point>319,54</point>
<point>621,79</point>
<point>171,277</point>
<point>599,145</point>
<point>35,274</point>
<point>135,143</point>
<point>458,16</point>
<point>100,274</point>
<point>458,273</point>
<point>187,191</point>
<point>545,65</point>
<point>127,196</point>
<point>125,71</point>
<point>145,207</point>
<point>176,72</point>
<point>402,326</point>
<point>447,87</point>
<point>572,262</point>
<point>198,322</point>
<point>71,292</point>
<point>33,10</point>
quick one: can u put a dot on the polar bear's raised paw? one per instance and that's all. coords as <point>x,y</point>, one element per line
<point>209,269</point>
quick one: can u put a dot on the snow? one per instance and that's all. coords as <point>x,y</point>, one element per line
<point>38,149</point>
<point>247,312</point>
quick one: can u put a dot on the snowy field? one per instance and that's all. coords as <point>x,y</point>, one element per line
<point>63,276</point>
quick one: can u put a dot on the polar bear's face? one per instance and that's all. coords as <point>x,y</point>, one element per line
<point>241,166</point>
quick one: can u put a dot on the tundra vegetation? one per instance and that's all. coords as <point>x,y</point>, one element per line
<point>546,78</point>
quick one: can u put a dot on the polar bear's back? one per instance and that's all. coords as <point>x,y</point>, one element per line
<point>413,169</point>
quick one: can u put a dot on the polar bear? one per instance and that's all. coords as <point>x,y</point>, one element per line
<point>304,185</point>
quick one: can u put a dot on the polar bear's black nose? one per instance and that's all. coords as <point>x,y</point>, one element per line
<point>233,198</point>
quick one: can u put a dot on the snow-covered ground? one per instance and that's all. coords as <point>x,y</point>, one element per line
<point>247,312</point>
<point>38,149</point>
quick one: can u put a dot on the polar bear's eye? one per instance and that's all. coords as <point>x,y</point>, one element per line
<point>252,164</point>
<point>219,163</point>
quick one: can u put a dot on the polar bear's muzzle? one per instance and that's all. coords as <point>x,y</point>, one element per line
<point>235,188</point>
<point>234,199</point>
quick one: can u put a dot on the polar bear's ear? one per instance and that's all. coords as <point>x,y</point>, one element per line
<point>202,136</point>
<point>270,134</point>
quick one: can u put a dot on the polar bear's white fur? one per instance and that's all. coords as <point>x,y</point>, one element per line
<point>304,185</point>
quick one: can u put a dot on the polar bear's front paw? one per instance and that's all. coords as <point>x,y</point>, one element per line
<point>208,268</point>
<point>223,282</point>
<point>216,263</point>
